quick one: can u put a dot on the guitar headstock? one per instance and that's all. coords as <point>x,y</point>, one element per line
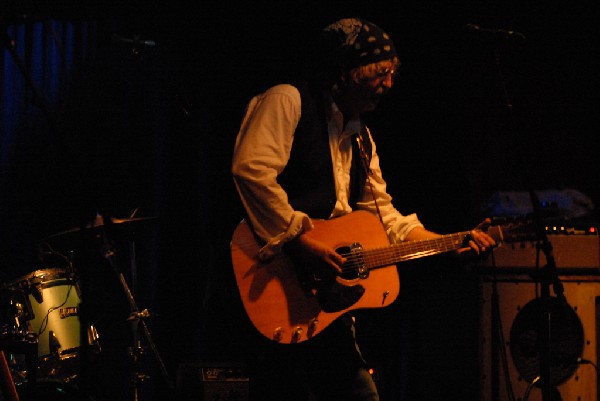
<point>505,229</point>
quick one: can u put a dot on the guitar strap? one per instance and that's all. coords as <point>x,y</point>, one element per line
<point>365,163</point>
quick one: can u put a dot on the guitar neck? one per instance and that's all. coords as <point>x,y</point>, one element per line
<point>385,256</point>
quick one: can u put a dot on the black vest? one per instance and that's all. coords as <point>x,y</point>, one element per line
<point>308,176</point>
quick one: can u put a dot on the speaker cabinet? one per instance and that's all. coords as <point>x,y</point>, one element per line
<point>212,382</point>
<point>503,371</point>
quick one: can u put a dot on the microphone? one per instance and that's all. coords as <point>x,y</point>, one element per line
<point>494,33</point>
<point>136,41</point>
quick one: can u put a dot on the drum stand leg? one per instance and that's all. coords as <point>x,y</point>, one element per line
<point>9,391</point>
<point>136,318</point>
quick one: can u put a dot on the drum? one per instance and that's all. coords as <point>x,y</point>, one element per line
<point>52,302</point>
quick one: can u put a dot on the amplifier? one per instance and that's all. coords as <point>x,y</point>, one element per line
<point>577,253</point>
<point>201,381</point>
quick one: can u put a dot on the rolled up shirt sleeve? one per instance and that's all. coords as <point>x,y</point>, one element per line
<point>261,152</point>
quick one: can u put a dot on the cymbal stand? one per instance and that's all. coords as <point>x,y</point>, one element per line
<point>136,318</point>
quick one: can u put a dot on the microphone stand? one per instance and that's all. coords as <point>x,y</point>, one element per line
<point>548,275</point>
<point>9,43</point>
<point>136,316</point>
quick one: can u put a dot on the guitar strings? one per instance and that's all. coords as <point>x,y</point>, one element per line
<point>384,256</point>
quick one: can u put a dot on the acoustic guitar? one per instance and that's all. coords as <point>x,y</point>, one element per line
<point>286,309</point>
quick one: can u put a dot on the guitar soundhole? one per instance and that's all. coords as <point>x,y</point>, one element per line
<point>354,267</point>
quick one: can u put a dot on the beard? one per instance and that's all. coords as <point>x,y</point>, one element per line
<point>370,98</point>
<point>360,97</point>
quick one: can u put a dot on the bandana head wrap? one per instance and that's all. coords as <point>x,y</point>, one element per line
<point>353,42</point>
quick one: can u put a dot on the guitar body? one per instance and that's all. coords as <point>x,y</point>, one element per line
<point>280,307</point>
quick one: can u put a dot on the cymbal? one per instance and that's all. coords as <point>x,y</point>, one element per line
<point>123,225</point>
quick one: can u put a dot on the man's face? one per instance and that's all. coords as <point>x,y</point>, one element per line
<point>371,87</point>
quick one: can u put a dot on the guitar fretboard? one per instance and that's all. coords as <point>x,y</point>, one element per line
<point>379,257</point>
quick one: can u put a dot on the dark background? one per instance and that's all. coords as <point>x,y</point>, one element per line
<point>151,128</point>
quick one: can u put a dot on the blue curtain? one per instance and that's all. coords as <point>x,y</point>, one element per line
<point>38,61</point>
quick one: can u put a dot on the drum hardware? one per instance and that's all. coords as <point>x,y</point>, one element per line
<point>54,344</point>
<point>37,293</point>
<point>45,304</point>
<point>25,345</point>
<point>137,351</point>
<point>11,324</point>
<point>9,390</point>
<point>99,225</point>
<point>105,229</point>
<point>15,337</point>
<point>136,317</point>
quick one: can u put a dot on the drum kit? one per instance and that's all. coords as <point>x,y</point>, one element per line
<point>44,341</point>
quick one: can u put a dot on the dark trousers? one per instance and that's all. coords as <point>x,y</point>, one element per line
<point>328,367</point>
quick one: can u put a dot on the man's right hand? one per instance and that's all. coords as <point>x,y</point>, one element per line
<point>321,260</point>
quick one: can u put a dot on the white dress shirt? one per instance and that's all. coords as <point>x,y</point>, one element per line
<point>261,152</point>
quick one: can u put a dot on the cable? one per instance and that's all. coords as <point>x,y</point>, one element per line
<point>581,361</point>
<point>529,387</point>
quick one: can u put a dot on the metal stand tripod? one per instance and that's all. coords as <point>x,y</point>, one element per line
<point>137,321</point>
